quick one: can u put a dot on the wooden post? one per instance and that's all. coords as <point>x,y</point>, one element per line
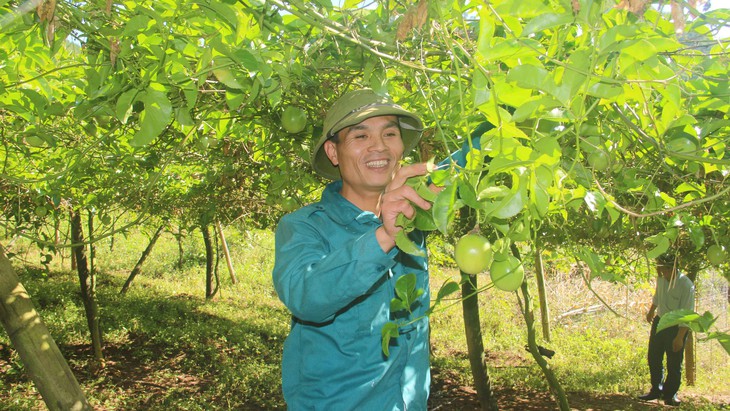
<point>41,357</point>
<point>226,253</point>
<point>540,277</point>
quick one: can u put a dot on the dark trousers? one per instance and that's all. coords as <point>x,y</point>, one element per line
<point>660,344</point>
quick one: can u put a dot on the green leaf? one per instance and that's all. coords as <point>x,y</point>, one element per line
<point>396,305</point>
<point>546,21</point>
<point>722,338</point>
<point>510,206</point>
<point>467,194</point>
<point>227,77</point>
<point>219,11</point>
<point>602,90</point>
<point>594,263</point>
<point>420,184</point>
<point>406,245</point>
<point>530,77</point>
<point>696,322</point>
<point>447,289</point>
<point>135,25</point>
<point>389,331</point>
<point>124,105</point>
<point>247,59</point>
<point>444,208</point>
<point>661,245</point>
<point>423,220</point>
<point>405,287</point>
<point>154,118</point>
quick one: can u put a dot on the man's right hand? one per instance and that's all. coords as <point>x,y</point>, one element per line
<point>650,316</point>
<point>399,198</point>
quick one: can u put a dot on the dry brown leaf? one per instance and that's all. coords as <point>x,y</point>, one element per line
<point>114,49</point>
<point>678,17</point>
<point>46,10</point>
<point>576,6</point>
<point>635,6</point>
<point>415,17</point>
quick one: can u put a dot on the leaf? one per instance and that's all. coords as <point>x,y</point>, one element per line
<point>226,77</point>
<point>696,322</point>
<point>530,77</point>
<point>219,11</point>
<point>423,220</point>
<point>443,208</point>
<point>396,305</point>
<point>421,185</point>
<point>467,194</point>
<point>661,243</point>
<point>124,105</point>
<point>389,331</point>
<point>406,245</point>
<point>247,59</point>
<point>154,118</point>
<point>722,338</point>
<point>405,286</point>
<point>510,206</point>
<point>447,289</point>
<point>602,90</point>
<point>546,21</point>
<point>594,263</point>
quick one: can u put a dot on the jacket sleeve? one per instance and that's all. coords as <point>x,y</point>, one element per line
<point>473,142</point>
<point>316,281</point>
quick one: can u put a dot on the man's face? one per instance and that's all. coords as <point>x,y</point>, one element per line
<point>665,271</point>
<point>367,154</point>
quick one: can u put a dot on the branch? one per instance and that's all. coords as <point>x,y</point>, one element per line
<point>660,212</point>
<point>314,18</point>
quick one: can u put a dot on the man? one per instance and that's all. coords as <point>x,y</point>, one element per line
<point>674,291</point>
<point>336,266</point>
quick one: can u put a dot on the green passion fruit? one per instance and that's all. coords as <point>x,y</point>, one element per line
<point>598,160</point>
<point>507,274</point>
<point>293,119</point>
<point>716,254</point>
<point>473,253</point>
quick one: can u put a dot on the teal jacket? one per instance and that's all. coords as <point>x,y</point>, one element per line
<point>337,282</point>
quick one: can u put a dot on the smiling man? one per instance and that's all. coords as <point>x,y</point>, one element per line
<point>336,267</point>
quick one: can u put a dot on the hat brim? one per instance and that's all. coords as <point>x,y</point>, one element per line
<point>410,125</point>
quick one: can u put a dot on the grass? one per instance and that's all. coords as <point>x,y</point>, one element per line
<point>166,347</point>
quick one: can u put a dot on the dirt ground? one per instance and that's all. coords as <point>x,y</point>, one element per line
<point>446,393</point>
<point>447,396</point>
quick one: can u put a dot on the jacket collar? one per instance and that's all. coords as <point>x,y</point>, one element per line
<point>341,210</point>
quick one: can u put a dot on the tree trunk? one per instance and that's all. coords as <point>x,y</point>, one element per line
<point>180,251</point>
<point>690,362</point>
<point>553,382</point>
<point>475,343</point>
<point>92,248</point>
<point>41,358</point>
<point>540,276</point>
<point>87,282</point>
<point>209,261</point>
<point>226,253</point>
<point>138,267</point>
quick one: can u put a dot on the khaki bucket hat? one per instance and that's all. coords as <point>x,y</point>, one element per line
<point>353,108</point>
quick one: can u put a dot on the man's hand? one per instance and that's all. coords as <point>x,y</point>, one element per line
<point>650,313</point>
<point>399,198</point>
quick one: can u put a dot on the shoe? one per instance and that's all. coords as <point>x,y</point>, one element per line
<point>672,401</point>
<point>651,395</point>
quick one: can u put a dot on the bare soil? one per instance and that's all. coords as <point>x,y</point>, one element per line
<point>137,378</point>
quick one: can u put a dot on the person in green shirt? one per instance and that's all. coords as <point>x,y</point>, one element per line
<point>674,291</point>
<point>336,265</point>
